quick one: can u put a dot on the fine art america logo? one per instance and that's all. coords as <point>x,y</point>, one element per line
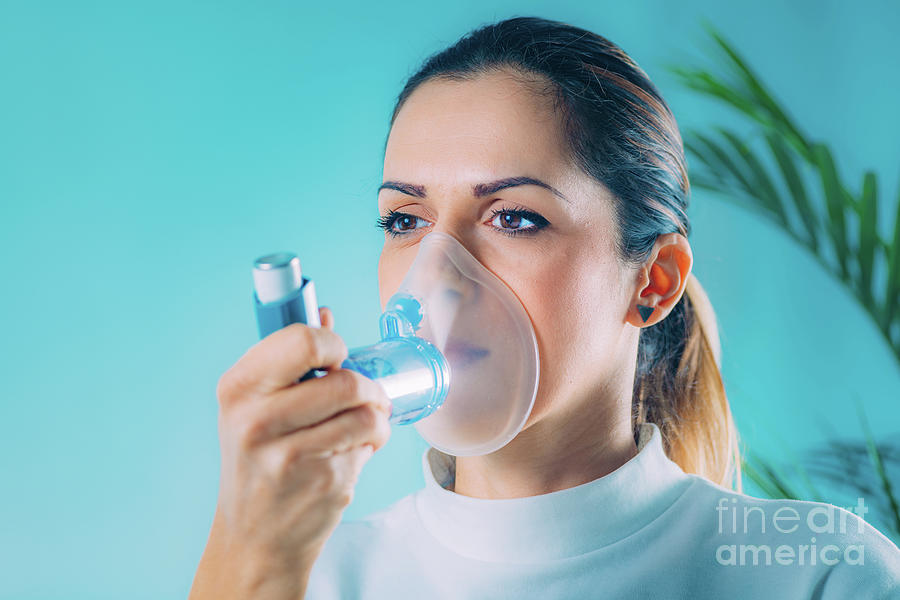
<point>787,523</point>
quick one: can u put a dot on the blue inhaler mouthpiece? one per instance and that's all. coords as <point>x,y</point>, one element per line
<point>413,373</point>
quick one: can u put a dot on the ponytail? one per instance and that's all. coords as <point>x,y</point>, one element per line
<point>679,387</point>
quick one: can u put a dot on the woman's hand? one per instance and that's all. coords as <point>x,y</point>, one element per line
<point>291,456</point>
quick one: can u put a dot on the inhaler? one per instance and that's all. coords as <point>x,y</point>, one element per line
<point>457,357</point>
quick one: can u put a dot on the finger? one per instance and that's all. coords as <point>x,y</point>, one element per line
<point>278,360</point>
<point>326,317</point>
<point>355,427</point>
<point>313,402</point>
<point>285,459</point>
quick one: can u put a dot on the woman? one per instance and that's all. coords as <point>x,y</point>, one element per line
<point>547,152</point>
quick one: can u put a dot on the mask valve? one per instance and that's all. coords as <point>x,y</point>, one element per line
<point>413,373</point>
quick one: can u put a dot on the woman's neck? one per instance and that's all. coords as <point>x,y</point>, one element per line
<point>561,450</point>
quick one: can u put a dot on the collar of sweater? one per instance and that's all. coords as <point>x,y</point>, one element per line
<point>557,525</point>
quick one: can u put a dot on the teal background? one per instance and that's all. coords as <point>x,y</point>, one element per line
<point>150,151</point>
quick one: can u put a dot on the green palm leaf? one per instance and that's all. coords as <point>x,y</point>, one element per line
<point>879,465</point>
<point>892,294</point>
<point>792,177</point>
<point>760,182</point>
<point>834,202</point>
<point>868,235</point>
<point>760,98</point>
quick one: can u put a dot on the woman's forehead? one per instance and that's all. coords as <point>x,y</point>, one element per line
<point>491,124</point>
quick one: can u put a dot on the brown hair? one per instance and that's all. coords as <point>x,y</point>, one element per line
<point>621,132</point>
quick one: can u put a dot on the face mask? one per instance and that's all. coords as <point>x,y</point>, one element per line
<point>458,356</point>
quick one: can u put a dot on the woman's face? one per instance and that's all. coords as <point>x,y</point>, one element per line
<point>558,257</point>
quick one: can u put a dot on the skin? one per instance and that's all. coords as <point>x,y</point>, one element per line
<point>581,299</point>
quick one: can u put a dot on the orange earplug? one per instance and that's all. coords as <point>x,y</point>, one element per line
<point>659,281</point>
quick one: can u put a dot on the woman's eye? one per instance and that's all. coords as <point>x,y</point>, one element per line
<point>513,221</point>
<point>397,223</point>
<point>406,222</point>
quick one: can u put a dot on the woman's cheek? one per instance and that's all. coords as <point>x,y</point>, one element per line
<point>392,269</point>
<point>547,297</point>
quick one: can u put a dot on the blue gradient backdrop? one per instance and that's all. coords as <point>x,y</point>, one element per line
<point>150,151</point>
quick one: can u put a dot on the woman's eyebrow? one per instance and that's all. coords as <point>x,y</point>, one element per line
<point>478,190</point>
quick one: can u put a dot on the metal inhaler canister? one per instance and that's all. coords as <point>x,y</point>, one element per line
<point>282,296</point>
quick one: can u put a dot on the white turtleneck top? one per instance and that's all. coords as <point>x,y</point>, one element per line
<point>646,530</point>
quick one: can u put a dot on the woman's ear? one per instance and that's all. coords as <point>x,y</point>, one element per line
<point>661,280</point>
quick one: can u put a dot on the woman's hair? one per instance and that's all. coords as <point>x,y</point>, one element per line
<point>621,132</point>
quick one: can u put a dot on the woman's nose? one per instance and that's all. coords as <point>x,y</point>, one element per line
<point>448,272</point>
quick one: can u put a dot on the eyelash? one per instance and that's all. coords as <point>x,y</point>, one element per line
<point>386,222</point>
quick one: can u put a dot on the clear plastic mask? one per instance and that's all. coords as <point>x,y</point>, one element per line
<point>456,341</point>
